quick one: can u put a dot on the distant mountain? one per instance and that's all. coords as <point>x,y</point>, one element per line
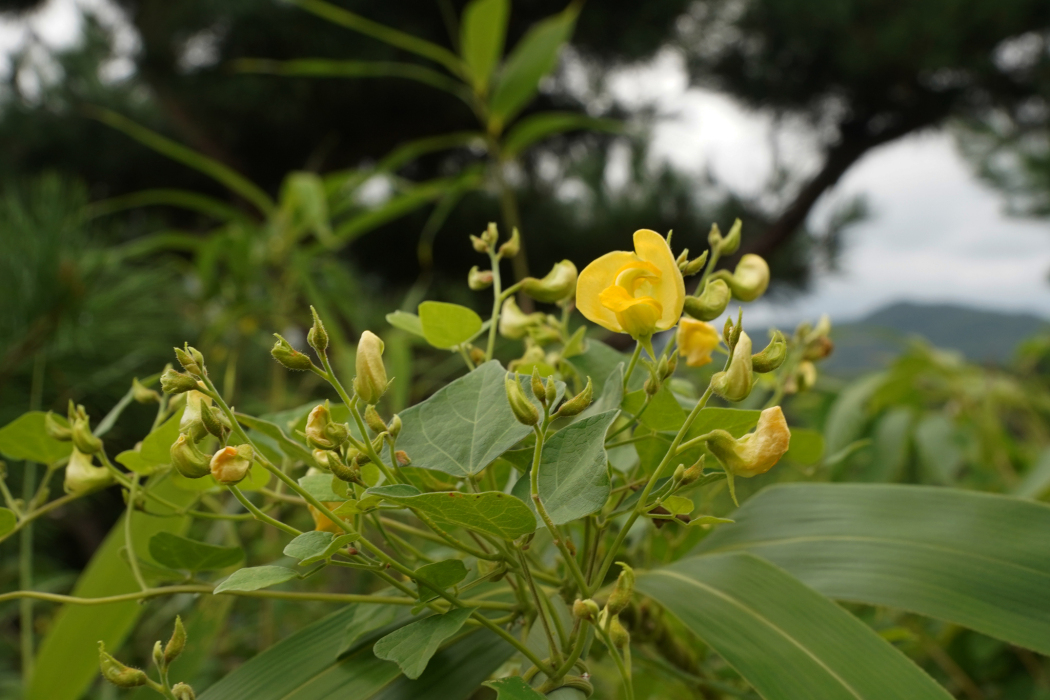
<point>981,336</point>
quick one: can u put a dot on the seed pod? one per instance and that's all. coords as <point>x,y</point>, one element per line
<point>173,382</point>
<point>620,598</point>
<point>371,382</point>
<point>117,673</point>
<point>317,337</point>
<point>188,460</point>
<point>177,642</point>
<point>56,430</point>
<point>231,464</point>
<point>288,356</point>
<point>523,409</point>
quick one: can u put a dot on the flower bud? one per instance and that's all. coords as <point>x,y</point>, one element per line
<point>819,348</point>
<point>231,464</point>
<point>585,610</point>
<point>491,234</point>
<point>714,237</point>
<point>350,473</point>
<point>805,376</point>
<point>191,360</point>
<point>731,243</point>
<point>143,394</point>
<point>622,592</point>
<point>82,476</point>
<point>370,382</point>
<point>188,460</point>
<point>682,258</point>
<point>618,634</point>
<point>117,673</point>
<point>679,474</point>
<point>212,422</point>
<point>395,426</point>
<point>402,458</point>
<point>479,244</point>
<point>652,385</point>
<point>177,642</point>
<point>317,336</point>
<point>515,323</point>
<point>772,357</point>
<point>373,420</point>
<point>550,391</point>
<point>520,405</point>
<point>181,691</point>
<point>693,473</point>
<point>560,283</point>
<point>537,386</point>
<point>56,430</point>
<point>750,279</point>
<point>692,267</point>
<point>288,356</point>
<point>510,248</point>
<point>754,453</point>
<point>477,355</point>
<point>173,382</point>
<point>734,384</point>
<point>711,304</point>
<point>192,422</point>
<point>158,655</point>
<point>577,404</point>
<point>316,422</point>
<point>478,279</point>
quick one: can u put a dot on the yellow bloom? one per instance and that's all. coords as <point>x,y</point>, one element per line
<point>636,293</point>
<point>756,452</point>
<point>696,340</point>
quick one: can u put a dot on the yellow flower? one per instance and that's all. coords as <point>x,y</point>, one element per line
<point>756,452</point>
<point>636,293</point>
<point>696,340</point>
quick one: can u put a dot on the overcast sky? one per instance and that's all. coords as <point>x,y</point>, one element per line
<point>935,235</point>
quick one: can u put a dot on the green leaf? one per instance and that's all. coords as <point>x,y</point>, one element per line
<point>513,688</point>
<point>611,395</point>
<point>849,414</point>
<point>155,450</point>
<point>316,545</point>
<point>178,552</point>
<point>574,477</point>
<point>412,646</point>
<point>447,325</point>
<point>406,322</point>
<point>678,505</point>
<point>8,520</point>
<point>1036,483</point>
<point>663,413</point>
<point>537,127</point>
<point>256,577</point>
<point>783,638</point>
<point>320,487</point>
<point>973,559</point>
<point>327,68</point>
<point>482,32</point>
<point>24,438</point>
<point>491,512</point>
<point>937,445</point>
<point>464,426</point>
<point>366,620</point>
<point>806,446</point>
<point>439,576</point>
<point>67,661</point>
<point>289,447</point>
<point>532,59</point>
<point>304,666</point>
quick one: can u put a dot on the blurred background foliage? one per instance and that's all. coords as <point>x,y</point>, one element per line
<point>310,201</point>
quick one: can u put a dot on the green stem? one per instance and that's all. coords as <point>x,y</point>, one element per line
<point>129,543</point>
<point>497,299</point>
<point>625,672</point>
<point>261,516</point>
<point>541,610</point>
<point>630,365</point>
<point>25,580</point>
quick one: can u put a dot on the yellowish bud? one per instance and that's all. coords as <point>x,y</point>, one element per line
<point>734,384</point>
<point>577,404</point>
<point>191,360</point>
<point>754,453</point>
<point>711,304</point>
<point>523,409</point>
<point>750,279</point>
<point>117,673</point>
<point>585,610</point>
<point>177,642</point>
<point>82,476</point>
<point>56,430</point>
<point>231,464</point>
<point>371,382</point>
<point>316,423</point>
<point>192,422</point>
<point>317,337</point>
<point>479,244</point>
<point>805,376</point>
<point>323,522</point>
<point>773,356</point>
<point>83,439</point>
<point>173,382</point>
<point>491,234</point>
<point>143,394</point>
<point>618,634</point>
<point>373,420</point>
<point>515,323</point>
<point>622,592</point>
<point>478,279</point>
<point>188,460</point>
<point>560,283</point>
<point>288,356</point>
<point>182,691</point>
<point>395,426</point>
<point>510,248</point>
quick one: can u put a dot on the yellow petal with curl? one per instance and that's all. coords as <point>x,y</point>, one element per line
<point>669,291</point>
<point>595,279</point>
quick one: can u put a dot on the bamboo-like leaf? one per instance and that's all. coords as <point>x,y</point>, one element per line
<point>219,172</point>
<point>975,559</point>
<point>328,68</point>
<point>183,199</point>
<point>482,32</point>
<point>536,127</point>
<point>785,639</point>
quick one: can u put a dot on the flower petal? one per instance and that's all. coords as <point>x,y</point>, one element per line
<point>594,279</point>
<point>670,290</point>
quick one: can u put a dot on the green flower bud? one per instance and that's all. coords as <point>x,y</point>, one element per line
<point>491,234</point>
<point>479,244</point>
<point>316,422</point>
<point>56,430</point>
<point>192,422</point>
<point>618,634</point>
<point>478,279</point>
<point>191,360</point>
<point>679,473</point>
<point>143,394</point>
<point>694,472</point>
<point>373,420</point>
<point>515,323</point>
<point>550,391</point>
<point>231,464</point>
<point>177,642</point>
<point>772,357</point>
<point>692,267</point>
<point>181,691</point>
<point>173,382</point>
<point>731,243</point>
<point>750,279</point>
<point>622,592</point>
<point>117,673</point>
<point>560,283</point>
<point>82,476</point>
<point>512,246</point>
<point>371,382</point>
<point>711,304</point>
<point>579,403</point>
<point>819,348</point>
<point>395,426</point>
<point>585,610</point>
<point>537,386</point>
<point>188,460</point>
<point>523,409</point>
<point>288,356</point>
<point>158,656</point>
<point>317,336</point>
<point>734,384</point>
<point>211,421</point>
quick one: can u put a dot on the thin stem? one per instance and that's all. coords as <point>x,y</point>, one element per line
<point>496,301</point>
<point>25,580</point>
<point>541,610</point>
<point>625,673</point>
<point>261,516</point>
<point>466,357</point>
<point>129,543</point>
<point>631,364</point>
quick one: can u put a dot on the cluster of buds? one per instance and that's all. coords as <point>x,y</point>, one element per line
<point>486,243</point>
<point>735,382</point>
<point>748,281</point>
<point>82,475</point>
<point>124,676</point>
<point>813,345</point>
<point>659,372</point>
<point>526,412</point>
<point>608,618</point>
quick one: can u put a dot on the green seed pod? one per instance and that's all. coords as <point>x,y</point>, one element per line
<point>117,673</point>
<point>288,356</point>
<point>188,460</point>
<point>772,357</point>
<point>177,642</point>
<point>523,409</point>
<point>711,303</point>
<point>56,430</point>
<point>579,403</point>
<point>620,598</point>
<point>173,382</point>
<point>317,337</point>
